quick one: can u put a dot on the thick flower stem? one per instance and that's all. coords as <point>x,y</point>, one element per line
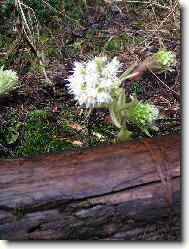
<point>124,134</point>
<point>118,115</point>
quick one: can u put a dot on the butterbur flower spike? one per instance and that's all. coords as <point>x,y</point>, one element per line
<point>94,82</point>
<point>143,115</point>
<point>164,59</point>
<point>8,81</point>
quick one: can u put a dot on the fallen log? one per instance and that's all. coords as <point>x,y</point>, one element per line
<point>124,191</point>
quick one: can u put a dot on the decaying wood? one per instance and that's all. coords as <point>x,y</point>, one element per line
<point>115,192</point>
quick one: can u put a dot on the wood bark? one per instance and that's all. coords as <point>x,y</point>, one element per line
<point>124,191</point>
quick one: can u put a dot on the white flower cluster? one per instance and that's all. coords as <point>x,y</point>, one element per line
<point>8,80</point>
<point>94,82</point>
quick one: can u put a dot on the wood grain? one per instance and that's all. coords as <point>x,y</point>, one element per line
<point>114,192</point>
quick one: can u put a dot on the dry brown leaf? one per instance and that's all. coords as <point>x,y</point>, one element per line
<point>78,143</point>
<point>75,126</point>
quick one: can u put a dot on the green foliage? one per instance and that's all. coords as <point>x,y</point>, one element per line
<point>176,33</point>
<point>118,44</point>
<point>13,133</point>
<point>7,8</point>
<point>137,88</point>
<point>10,129</point>
<point>93,131</point>
<point>37,114</point>
<point>40,136</point>
<point>74,9</point>
<point>7,61</point>
<point>2,40</point>
<point>46,12</point>
<point>43,11</point>
<point>41,131</point>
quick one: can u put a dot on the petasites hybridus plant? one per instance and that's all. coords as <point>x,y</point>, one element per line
<point>161,60</point>
<point>96,84</point>
<point>143,114</point>
<point>8,81</point>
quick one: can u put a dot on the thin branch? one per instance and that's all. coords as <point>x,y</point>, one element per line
<point>175,94</point>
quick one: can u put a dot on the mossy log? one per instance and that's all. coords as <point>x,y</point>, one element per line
<point>124,191</point>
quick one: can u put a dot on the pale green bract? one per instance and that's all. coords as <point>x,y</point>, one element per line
<point>8,81</point>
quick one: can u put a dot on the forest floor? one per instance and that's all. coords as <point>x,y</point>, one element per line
<point>41,116</point>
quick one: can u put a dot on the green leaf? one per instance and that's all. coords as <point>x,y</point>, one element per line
<point>146,131</point>
<point>113,116</point>
<point>130,69</point>
<point>122,99</point>
<point>13,138</point>
<point>13,134</point>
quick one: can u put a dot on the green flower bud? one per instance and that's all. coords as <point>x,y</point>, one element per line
<point>8,80</point>
<point>164,59</point>
<point>143,115</point>
<point>100,62</point>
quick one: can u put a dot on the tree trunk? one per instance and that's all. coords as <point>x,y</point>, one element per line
<point>124,191</point>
